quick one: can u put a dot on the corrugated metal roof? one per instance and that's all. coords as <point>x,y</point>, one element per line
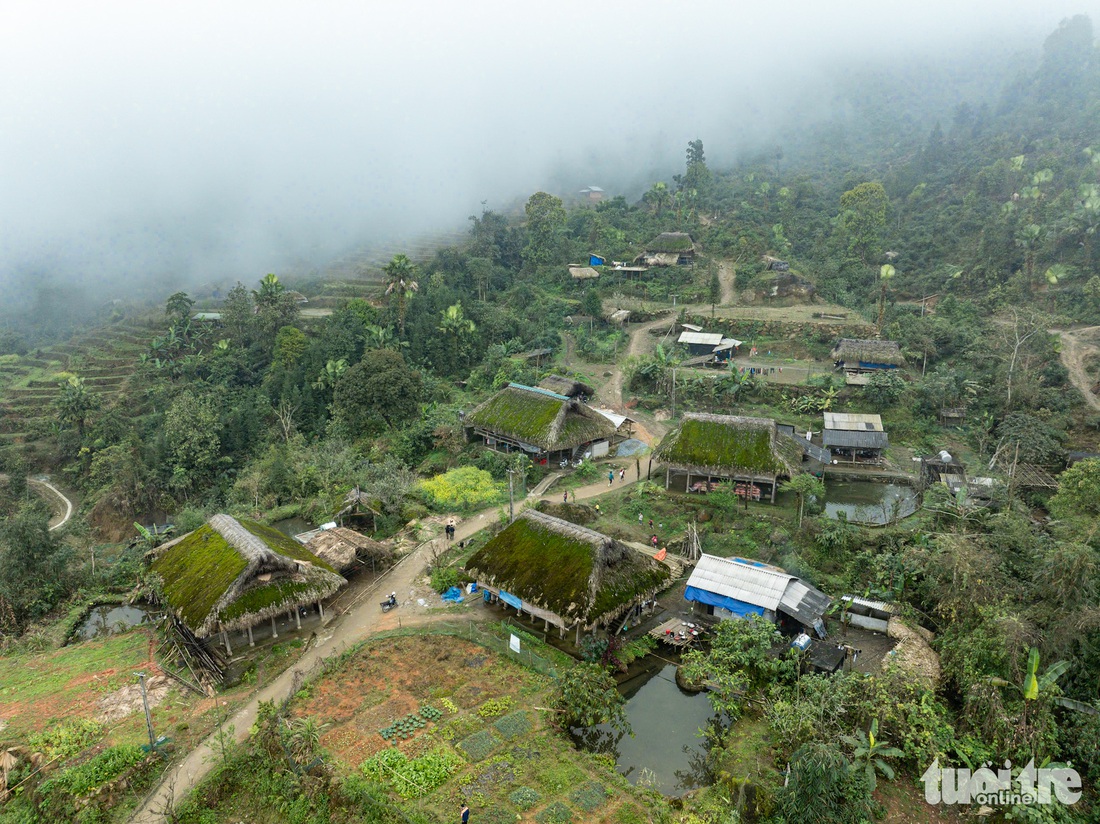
<point>863,440</point>
<point>760,586</point>
<point>614,417</point>
<point>691,327</point>
<point>803,602</point>
<point>706,338</point>
<point>853,421</point>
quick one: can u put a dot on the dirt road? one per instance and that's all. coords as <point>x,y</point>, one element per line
<point>1077,345</point>
<point>361,621</point>
<point>641,343</point>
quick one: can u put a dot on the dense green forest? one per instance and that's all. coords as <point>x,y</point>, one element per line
<point>992,210</point>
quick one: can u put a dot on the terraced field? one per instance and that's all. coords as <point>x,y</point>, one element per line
<point>105,358</point>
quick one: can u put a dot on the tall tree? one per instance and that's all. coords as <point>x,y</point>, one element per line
<point>74,403</point>
<point>545,230</point>
<point>401,285</point>
<point>178,305</point>
<point>862,219</point>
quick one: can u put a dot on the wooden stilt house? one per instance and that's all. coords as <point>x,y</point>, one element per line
<point>707,450</point>
<point>231,575</point>
<point>567,575</point>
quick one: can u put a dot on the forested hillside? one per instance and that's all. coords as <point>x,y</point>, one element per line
<point>972,243</point>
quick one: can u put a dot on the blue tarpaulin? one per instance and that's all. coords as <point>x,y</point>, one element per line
<point>713,599</point>
<point>511,600</point>
<point>453,594</point>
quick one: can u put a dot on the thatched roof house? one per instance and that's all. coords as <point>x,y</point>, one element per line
<point>232,574</point>
<point>566,574</point>
<point>583,273</point>
<point>851,354</point>
<point>714,448</point>
<point>538,421</point>
<point>566,386</point>
<point>669,249</point>
<point>345,549</point>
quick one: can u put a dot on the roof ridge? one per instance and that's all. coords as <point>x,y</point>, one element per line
<point>538,390</point>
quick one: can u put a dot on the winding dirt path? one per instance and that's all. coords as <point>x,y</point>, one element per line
<point>61,519</point>
<point>641,343</point>
<point>1077,344</point>
<point>361,620</point>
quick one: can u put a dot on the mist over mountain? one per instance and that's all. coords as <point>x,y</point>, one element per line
<point>148,149</point>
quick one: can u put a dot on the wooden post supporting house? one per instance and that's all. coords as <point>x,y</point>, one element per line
<point>297,619</point>
<point>225,640</point>
<point>321,610</point>
<point>274,629</point>
<point>251,640</point>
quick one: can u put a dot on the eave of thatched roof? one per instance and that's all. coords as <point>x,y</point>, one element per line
<point>568,387</point>
<point>728,445</point>
<point>343,548</point>
<point>539,417</point>
<point>678,242</point>
<point>230,574</point>
<point>578,574</point>
<point>853,351</point>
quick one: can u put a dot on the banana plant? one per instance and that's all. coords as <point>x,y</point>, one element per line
<point>1034,684</point>
<point>868,755</point>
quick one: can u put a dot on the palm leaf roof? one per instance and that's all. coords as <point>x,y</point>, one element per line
<point>230,574</point>
<point>540,417</point>
<point>577,573</point>
<point>727,445</point>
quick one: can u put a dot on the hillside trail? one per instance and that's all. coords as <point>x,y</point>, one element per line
<point>60,518</point>
<point>362,619</point>
<point>727,277</point>
<point>1077,345</point>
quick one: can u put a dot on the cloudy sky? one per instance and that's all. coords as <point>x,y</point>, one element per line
<point>207,140</point>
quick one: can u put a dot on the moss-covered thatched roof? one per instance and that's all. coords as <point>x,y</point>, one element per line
<point>678,242</point>
<point>728,445</point>
<point>574,572</point>
<point>230,574</point>
<point>540,417</point>
<point>566,386</point>
<point>853,351</point>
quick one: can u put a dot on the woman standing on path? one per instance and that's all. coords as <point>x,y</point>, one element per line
<point>611,477</point>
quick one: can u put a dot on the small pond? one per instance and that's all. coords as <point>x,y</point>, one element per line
<point>866,502</point>
<point>666,750</point>
<point>293,526</point>
<point>108,619</point>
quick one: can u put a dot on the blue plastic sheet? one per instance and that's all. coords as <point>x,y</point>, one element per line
<point>453,594</point>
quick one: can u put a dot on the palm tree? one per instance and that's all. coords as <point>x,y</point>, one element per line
<point>657,196</point>
<point>456,325</point>
<point>269,291</point>
<point>868,755</point>
<point>401,285</point>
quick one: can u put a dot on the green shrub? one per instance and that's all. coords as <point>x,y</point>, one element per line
<point>443,578</point>
<point>465,489</point>
<point>524,798</point>
<point>479,745</point>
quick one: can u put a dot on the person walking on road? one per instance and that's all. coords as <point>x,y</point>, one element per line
<point>611,477</point>
<point>464,815</point>
<point>622,474</point>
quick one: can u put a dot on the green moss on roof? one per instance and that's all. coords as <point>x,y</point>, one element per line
<point>555,570</point>
<point>723,443</point>
<point>527,416</point>
<point>540,417</point>
<point>204,572</point>
<point>671,242</point>
<point>283,544</point>
<point>287,593</point>
<point>197,571</point>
